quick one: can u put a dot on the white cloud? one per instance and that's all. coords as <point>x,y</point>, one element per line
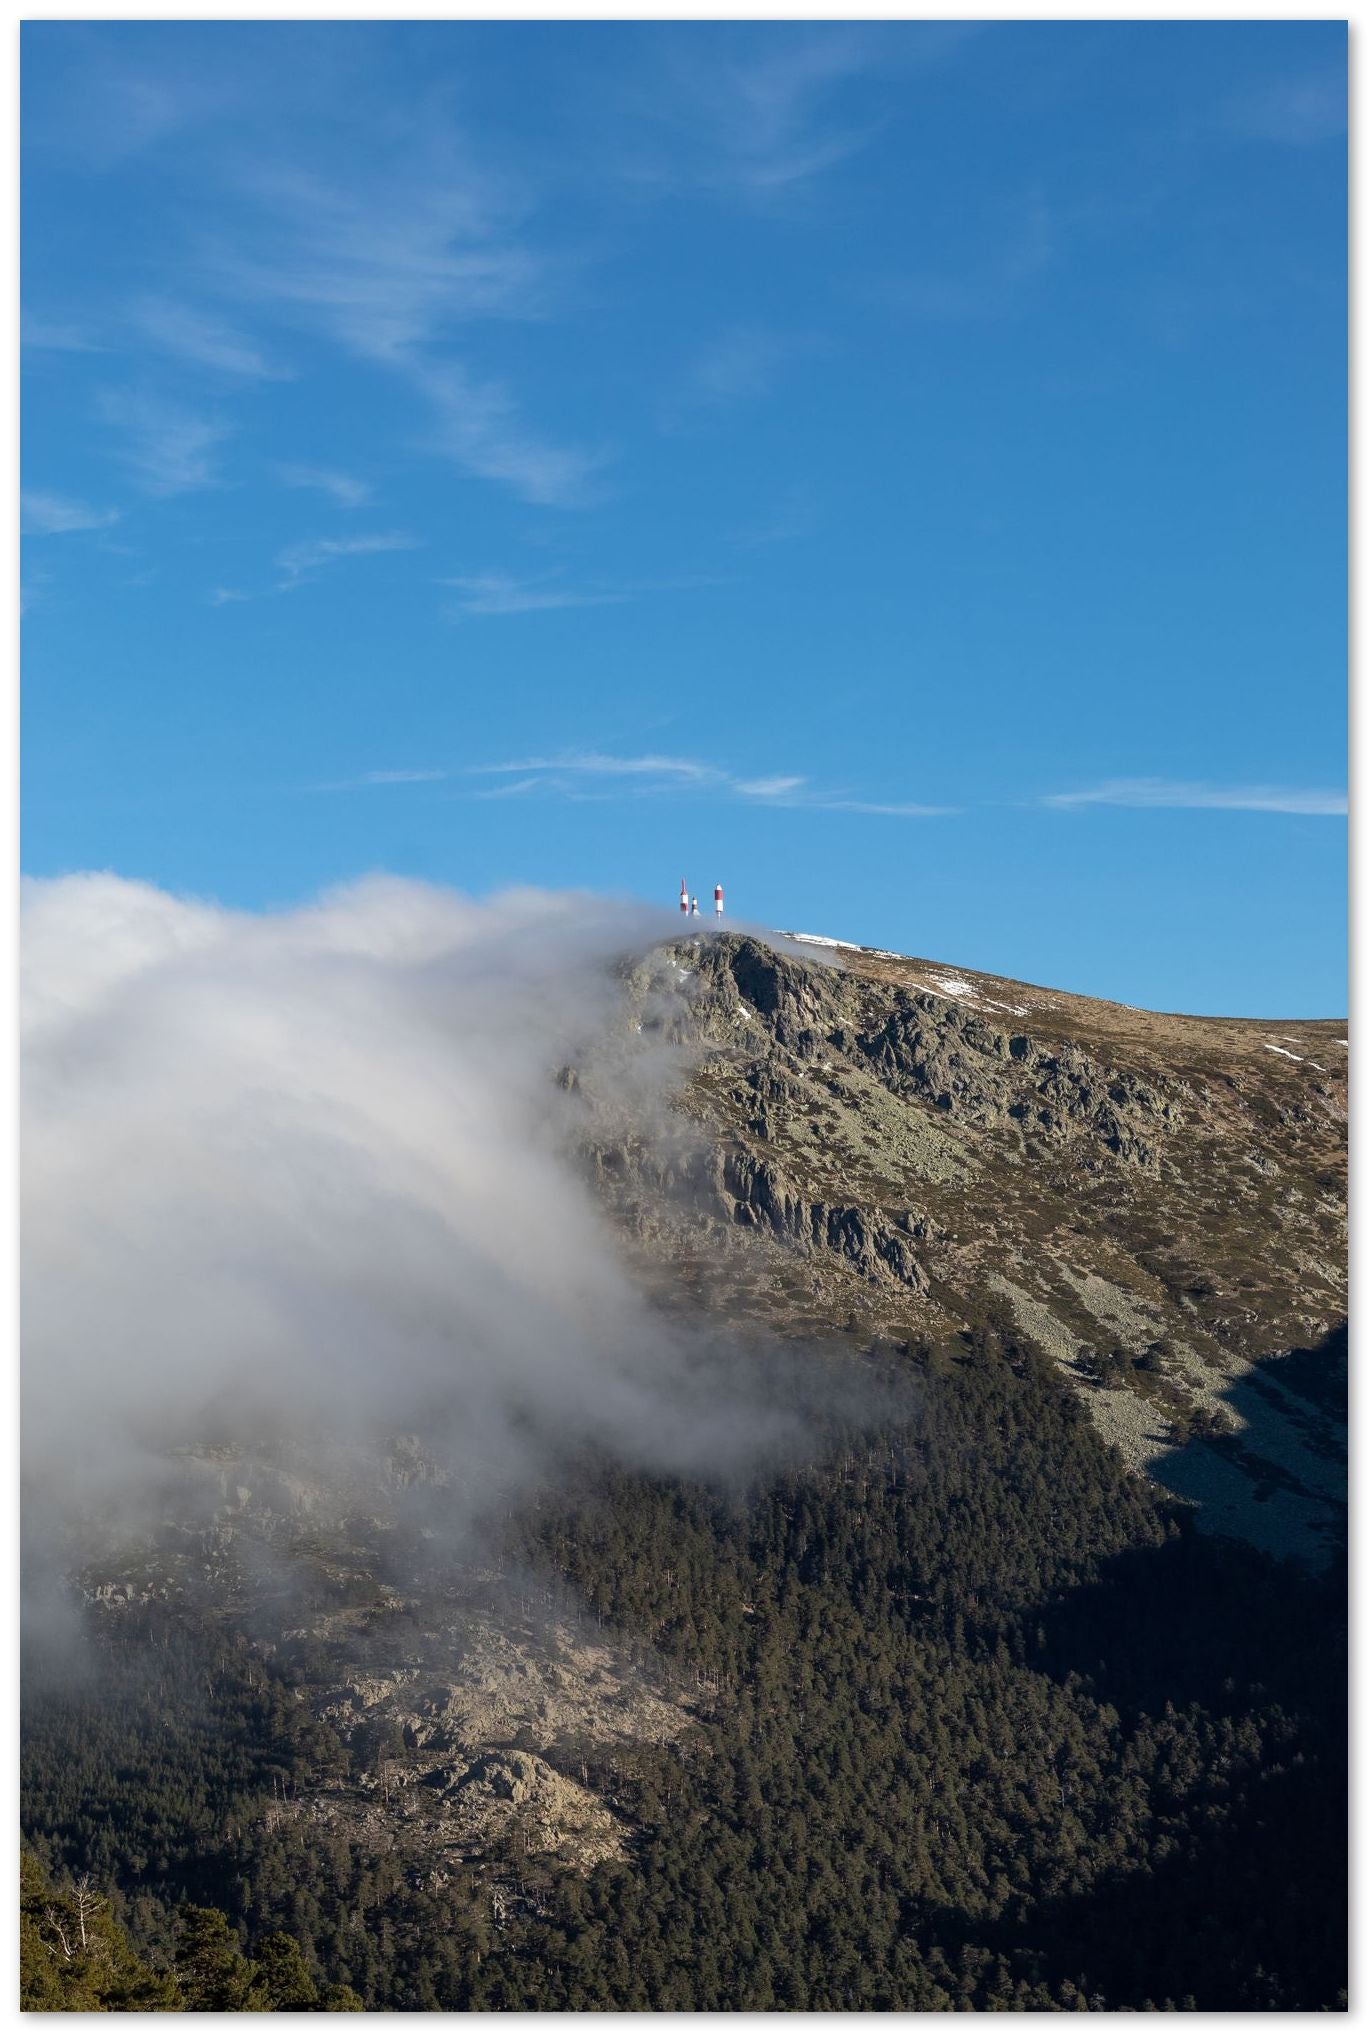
<point>391,266</point>
<point>591,764</point>
<point>52,335</point>
<point>860,804</point>
<point>480,429</point>
<point>59,515</point>
<point>793,515</point>
<point>300,561</point>
<point>196,336</point>
<point>487,593</point>
<point>737,366</point>
<point>1294,112</point>
<point>754,113</point>
<point>344,488</point>
<point>1155,793</point>
<point>170,449</point>
<point>396,258</point>
<point>309,1180</point>
<point>659,774</point>
<point>987,287</point>
<point>770,786</point>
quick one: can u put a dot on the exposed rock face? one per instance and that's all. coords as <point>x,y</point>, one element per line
<point>760,1195</point>
<point>923,1146</point>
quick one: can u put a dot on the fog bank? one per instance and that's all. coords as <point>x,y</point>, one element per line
<point>309,1175</point>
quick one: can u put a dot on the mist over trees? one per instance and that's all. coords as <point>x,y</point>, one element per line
<point>994,1729</point>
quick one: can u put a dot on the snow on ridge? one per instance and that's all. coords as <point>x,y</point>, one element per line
<point>1283,1052</point>
<point>946,985</point>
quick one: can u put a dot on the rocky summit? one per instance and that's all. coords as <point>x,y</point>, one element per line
<point>1158,1203</point>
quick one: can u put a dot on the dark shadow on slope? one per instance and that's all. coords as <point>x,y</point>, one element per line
<point>1277,1478</point>
<point>1204,1620</point>
<point>1179,1933</point>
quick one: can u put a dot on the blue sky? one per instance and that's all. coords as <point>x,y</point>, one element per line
<point>895,470</point>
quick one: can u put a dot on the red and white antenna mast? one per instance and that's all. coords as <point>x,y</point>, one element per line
<point>684,896</point>
<point>717,900</point>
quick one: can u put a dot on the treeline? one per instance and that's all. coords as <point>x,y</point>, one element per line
<point>993,1729</point>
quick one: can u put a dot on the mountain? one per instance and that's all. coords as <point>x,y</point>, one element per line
<point>1015,1679</point>
<point>1157,1202</point>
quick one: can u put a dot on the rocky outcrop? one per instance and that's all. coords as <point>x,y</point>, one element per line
<point>756,1194</point>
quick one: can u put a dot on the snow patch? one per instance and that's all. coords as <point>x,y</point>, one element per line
<point>1295,1055</point>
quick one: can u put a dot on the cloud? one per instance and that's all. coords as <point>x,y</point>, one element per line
<point>793,515</point>
<point>735,367</point>
<point>392,265</point>
<point>395,256</point>
<point>984,289</point>
<point>49,335</point>
<point>487,593</point>
<point>860,804</point>
<point>672,768</point>
<point>479,427</point>
<point>763,111</point>
<point>1293,112</point>
<point>753,113</point>
<point>204,340</point>
<point>227,596</point>
<point>347,491</point>
<point>310,1180</point>
<point>1155,793</point>
<point>169,449</point>
<point>658,775</point>
<point>770,786</point>
<point>301,561</point>
<point>59,515</point>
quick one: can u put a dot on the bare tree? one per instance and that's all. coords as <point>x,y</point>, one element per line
<point>55,1923</point>
<point>87,1904</point>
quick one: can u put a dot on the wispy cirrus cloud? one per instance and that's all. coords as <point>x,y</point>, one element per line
<point>343,488</point>
<point>1293,112</point>
<point>401,256</point>
<point>594,776</point>
<point>740,365</point>
<point>393,267</point>
<point>735,367</point>
<point>590,773</point>
<point>763,114</point>
<point>1155,793</point>
<point>987,287</point>
<point>762,121</point>
<point>497,593</point>
<point>59,515</point>
<point>670,768</point>
<point>201,338</point>
<point>792,516</point>
<point>299,562</point>
<point>479,426</point>
<point>55,335</point>
<point>168,448</point>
